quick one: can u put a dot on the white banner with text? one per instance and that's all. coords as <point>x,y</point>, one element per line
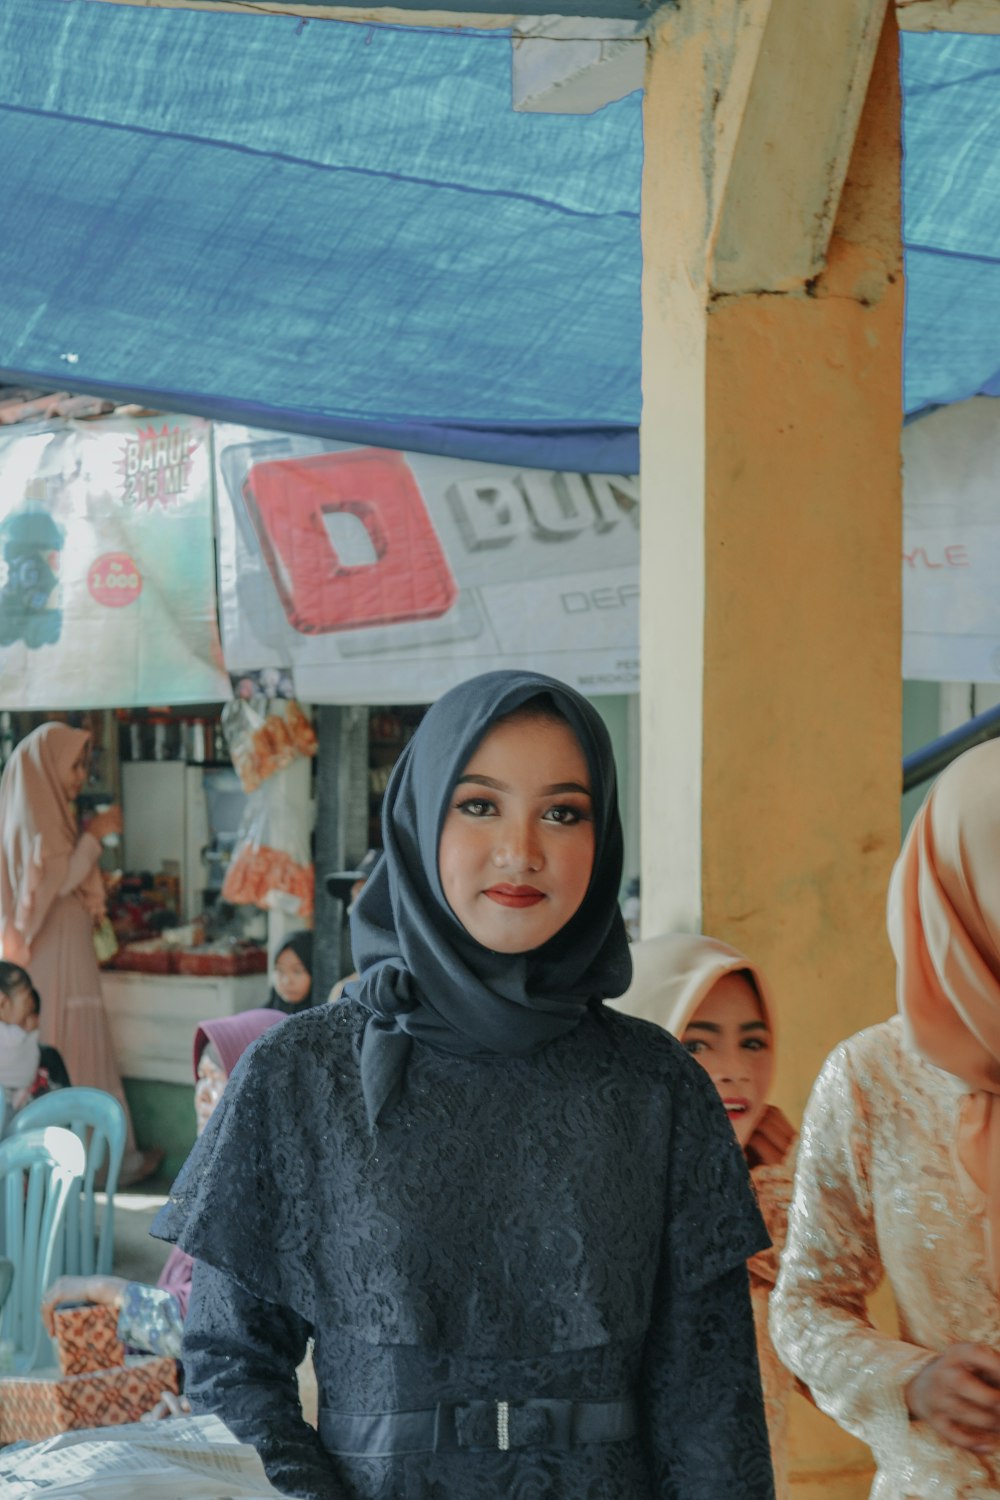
<point>387,577</point>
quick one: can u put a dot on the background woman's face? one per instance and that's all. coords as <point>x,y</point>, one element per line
<point>208,1089</point>
<point>517,843</point>
<point>730,1038</point>
<point>291,978</point>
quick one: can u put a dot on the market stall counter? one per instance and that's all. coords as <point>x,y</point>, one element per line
<point>155,994</point>
<point>153,1017</point>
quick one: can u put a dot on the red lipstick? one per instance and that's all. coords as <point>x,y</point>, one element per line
<point>514,895</point>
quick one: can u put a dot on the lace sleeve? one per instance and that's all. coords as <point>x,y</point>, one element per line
<point>831,1264</point>
<point>713,1220</point>
<point>242,1172</point>
<point>703,1416</point>
<point>240,1356</point>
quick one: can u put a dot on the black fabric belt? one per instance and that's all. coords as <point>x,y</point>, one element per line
<point>477,1425</point>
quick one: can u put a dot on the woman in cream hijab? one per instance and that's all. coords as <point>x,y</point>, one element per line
<point>718,1004</point>
<point>899,1174</point>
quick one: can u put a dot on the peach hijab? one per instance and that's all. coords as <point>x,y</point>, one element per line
<point>944,926</point>
<point>38,834</point>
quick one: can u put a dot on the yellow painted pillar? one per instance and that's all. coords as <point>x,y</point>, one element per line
<point>771,690</point>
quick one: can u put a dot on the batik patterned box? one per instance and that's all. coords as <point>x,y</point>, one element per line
<point>46,1402</point>
<point>87,1339</point>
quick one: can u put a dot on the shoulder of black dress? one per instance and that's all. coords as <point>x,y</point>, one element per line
<point>644,1041</point>
<point>320,1033</point>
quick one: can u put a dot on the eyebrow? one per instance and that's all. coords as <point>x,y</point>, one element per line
<point>546,791</point>
<point>716,1029</point>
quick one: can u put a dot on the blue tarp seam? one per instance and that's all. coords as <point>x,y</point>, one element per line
<point>986,260</point>
<point>914,89</point>
<point>286,158</point>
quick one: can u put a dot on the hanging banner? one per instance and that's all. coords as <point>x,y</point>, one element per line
<point>951,544</point>
<point>387,577</point>
<point>107,594</point>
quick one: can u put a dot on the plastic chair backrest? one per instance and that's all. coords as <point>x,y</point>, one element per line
<point>99,1120</point>
<point>37,1171</point>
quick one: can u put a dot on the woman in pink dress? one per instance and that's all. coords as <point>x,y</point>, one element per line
<point>51,895</point>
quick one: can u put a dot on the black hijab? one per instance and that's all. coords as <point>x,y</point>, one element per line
<point>422,976</point>
<point>301,944</point>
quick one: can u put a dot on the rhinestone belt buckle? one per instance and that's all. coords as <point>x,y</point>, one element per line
<point>503,1426</point>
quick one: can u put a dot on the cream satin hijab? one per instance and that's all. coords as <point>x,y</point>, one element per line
<point>38,834</point>
<point>944,926</point>
<point>672,975</point>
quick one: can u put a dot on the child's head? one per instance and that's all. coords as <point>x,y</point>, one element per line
<point>717,1004</point>
<point>292,973</point>
<point>20,1002</point>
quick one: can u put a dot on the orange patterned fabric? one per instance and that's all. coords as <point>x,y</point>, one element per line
<point>40,1405</point>
<point>87,1339</point>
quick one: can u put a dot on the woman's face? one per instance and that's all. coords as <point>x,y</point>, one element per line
<point>291,978</point>
<point>517,843</point>
<point>729,1036</point>
<point>73,776</point>
<point>208,1089</point>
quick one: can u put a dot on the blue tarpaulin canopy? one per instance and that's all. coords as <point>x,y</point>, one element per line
<point>346,230</point>
<point>951,201</point>
<point>333,228</point>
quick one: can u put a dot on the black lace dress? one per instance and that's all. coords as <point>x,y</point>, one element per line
<point>573,1224</point>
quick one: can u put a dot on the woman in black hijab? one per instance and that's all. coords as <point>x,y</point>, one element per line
<point>514,1222</point>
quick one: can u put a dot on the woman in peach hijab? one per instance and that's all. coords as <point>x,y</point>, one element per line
<point>718,1004</point>
<point>899,1174</point>
<point>51,895</point>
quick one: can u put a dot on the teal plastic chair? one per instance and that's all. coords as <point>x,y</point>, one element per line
<point>37,1171</point>
<point>99,1121</point>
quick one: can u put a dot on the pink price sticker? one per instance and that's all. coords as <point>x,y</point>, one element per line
<point>114,580</point>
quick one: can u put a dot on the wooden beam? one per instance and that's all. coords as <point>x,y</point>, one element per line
<point>982,16</point>
<point>370,15</point>
<point>795,138</point>
<point>482,14</point>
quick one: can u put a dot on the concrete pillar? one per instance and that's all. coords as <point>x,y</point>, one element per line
<point>771,514</point>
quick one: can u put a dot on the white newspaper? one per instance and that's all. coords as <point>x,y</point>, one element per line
<point>180,1458</point>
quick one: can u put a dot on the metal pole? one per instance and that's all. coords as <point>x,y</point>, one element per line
<point>341,831</point>
<point>930,760</point>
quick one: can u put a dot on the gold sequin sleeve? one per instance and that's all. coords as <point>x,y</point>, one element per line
<point>831,1264</point>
